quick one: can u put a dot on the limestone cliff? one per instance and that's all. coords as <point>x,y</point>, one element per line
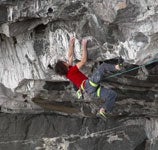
<point>39,109</point>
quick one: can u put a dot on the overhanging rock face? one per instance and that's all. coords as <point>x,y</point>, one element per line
<point>38,35</point>
<point>34,34</point>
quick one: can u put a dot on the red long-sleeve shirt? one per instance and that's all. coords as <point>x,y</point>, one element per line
<point>76,76</point>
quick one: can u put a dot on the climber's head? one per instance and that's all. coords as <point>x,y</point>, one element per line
<point>61,67</point>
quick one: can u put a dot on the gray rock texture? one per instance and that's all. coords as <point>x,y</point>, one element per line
<point>40,111</point>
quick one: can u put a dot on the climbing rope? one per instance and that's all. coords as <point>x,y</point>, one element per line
<point>129,70</point>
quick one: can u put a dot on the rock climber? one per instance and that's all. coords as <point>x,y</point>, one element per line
<point>89,85</point>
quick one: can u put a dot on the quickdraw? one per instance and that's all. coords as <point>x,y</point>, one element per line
<point>80,90</point>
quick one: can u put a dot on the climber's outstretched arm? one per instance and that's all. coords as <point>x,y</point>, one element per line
<point>84,55</point>
<point>71,50</point>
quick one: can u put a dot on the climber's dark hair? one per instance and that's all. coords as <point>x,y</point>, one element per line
<point>61,68</point>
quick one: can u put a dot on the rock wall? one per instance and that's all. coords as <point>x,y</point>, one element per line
<point>34,34</point>
<point>29,132</point>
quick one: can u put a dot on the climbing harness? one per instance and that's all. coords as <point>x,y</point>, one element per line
<point>80,91</point>
<point>98,91</point>
<point>96,86</point>
<point>93,84</point>
<point>129,70</point>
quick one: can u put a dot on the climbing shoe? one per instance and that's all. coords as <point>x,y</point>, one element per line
<point>121,63</point>
<point>121,66</point>
<point>124,65</point>
<point>102,114</point>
